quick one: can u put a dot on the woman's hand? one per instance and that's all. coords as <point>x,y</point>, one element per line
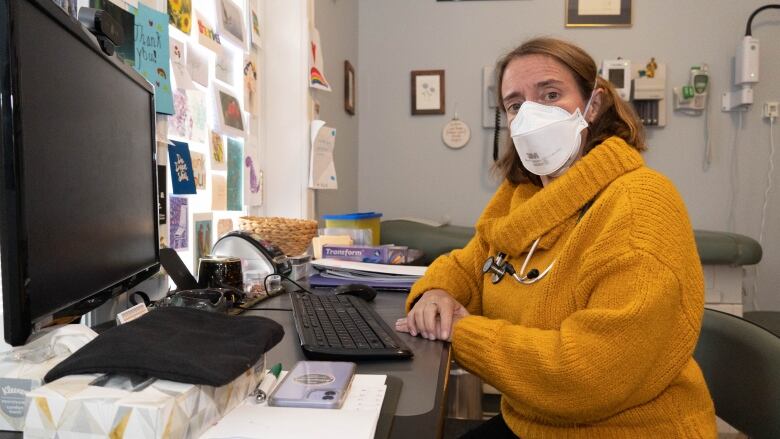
<point>433,316</point>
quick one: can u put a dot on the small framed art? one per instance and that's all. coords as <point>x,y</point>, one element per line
<point>598,13</point>
<point>427,92</point>
<point>349,88</point>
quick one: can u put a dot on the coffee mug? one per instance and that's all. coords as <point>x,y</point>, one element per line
<point>220,272</point>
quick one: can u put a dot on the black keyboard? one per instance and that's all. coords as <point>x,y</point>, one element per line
<point>343,328</point>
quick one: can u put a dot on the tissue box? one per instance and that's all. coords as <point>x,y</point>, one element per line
<point>70,407</point>
<point>23,368</point>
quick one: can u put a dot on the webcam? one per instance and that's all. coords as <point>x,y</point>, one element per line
<point>104,27</point>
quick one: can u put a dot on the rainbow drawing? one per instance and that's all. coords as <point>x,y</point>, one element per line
<point>318,79</point>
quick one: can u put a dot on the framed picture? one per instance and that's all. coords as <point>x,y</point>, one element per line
<point>349,88</point>
<point>427,92</point>
<point>598,13</point>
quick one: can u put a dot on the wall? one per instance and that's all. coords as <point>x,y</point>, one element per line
<point>284,98</point>
<point>337,21</point>
<point>405,170</point>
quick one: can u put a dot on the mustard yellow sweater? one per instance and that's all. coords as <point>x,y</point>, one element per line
<point>602,346</point>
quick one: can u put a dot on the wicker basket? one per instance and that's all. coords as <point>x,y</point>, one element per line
<point>293,236</point>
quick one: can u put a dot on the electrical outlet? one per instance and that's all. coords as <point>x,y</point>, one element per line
<point>771,109</point>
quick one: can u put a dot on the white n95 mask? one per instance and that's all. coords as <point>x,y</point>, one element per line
<point>547,138</point>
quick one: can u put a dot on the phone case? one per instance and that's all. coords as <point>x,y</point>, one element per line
<point>315,384</point>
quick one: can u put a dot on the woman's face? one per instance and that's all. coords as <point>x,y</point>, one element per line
<point>541,79</point>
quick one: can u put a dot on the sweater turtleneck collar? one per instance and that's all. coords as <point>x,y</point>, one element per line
<point>518,214</point>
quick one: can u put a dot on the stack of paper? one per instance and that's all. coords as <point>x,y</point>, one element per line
<point>333,272</point>
<point>357,418</point>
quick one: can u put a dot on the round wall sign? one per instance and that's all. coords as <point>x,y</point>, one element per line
<point>456,134</point>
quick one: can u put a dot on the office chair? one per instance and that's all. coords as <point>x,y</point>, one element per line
<point>741,364</point>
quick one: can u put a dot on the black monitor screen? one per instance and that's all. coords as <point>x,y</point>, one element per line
<point>85,146</point>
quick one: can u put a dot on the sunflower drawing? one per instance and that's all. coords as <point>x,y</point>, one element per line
<point>179,14</point>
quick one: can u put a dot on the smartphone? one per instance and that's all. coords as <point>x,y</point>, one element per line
<point>315,384</point>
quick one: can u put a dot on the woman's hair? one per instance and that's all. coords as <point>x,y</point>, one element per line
<point>616,117</point>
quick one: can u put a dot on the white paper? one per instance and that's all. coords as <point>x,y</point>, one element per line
<point>403,270</point>
<point>223,67</point>
<point>198,64</point>
<point>317,63</point>
<point>428,92</point>
<point>599,7</point>
<point>231,22</point>
<point>181,76</point>
<point>322,169</point>
<point>356,419</point>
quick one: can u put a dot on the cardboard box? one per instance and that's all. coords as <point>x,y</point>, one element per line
<point>69,408</point>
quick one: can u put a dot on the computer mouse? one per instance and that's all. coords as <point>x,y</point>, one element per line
<point>359,290</point>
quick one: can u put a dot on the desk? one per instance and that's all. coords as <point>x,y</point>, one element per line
<point>422,403</point>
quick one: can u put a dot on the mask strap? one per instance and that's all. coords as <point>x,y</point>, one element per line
<point>587,106</point>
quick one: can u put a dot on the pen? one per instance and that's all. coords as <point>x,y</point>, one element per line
<point>268,382</point>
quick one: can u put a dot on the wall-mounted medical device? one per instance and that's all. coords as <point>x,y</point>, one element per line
<point>692,97</point>
<point>492,116</point>
<point>618,72</point>
<point>745,68</point>
<point>490,99</point>
<point>649,94</point>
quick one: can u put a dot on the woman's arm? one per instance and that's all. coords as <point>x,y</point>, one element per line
<point>459,273</point>
<point>450,290</point>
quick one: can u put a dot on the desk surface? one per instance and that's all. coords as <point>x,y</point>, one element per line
<point>422,402</point>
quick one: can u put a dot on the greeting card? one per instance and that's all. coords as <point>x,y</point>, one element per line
<point>254,23</point>
<point>181,77</point>
<point>199,170</point>
<point>203,232</point>
<point>207,37</point>
<point>253,177</point>
<point>230,118</point>
<point>234,174</point>
<point>198,64</point>
<point>218,155</point>
<point>251,99</point>
<point>182,176</point>
<point>231,21</point>
<point>224,225</point>
<point>180,14</point>
<point>151,55</point>
<point>218,192</point>
<point>223,67</point>
<point>196,101</point>
<point>179,224</point>
<point>316,63</point>
<point>189,119</point>
<point>180,124</point>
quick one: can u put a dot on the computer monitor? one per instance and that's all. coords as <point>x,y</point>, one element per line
<point>78,203</point>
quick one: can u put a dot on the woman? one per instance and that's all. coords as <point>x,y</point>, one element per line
<point>592,333</point>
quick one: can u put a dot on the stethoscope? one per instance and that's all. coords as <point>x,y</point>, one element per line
<point>499,266</point>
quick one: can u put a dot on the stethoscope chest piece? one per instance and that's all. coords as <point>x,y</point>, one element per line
<point>498,266</point>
